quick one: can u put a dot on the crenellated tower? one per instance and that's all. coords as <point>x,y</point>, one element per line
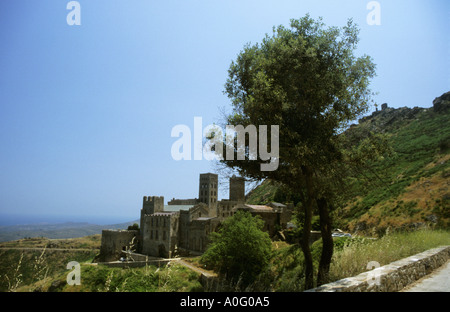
<point>150,205</point>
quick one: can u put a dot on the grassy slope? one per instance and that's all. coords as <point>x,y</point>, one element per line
<point>350,256</point>
<point>33,268</point>
<point>39,260</point>
<point>409,188</point>
<point>412,185</point>
<point>263,193</point>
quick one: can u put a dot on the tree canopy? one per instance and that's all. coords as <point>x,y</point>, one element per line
<point>308,80</point>
<point>240,250</point>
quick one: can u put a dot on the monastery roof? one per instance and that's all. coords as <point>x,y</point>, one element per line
<point>279,205</point>
<point>172,208</point>
<point>261,208</point>
<point>164,213</point>
<point>204,218</point>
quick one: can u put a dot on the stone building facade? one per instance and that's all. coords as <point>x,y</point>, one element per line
<point>114,242</point>
<point>169,233</point>
<point>190,201</point>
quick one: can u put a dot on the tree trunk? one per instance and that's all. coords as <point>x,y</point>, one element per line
<point>327,242</point>
<point>309,278</point>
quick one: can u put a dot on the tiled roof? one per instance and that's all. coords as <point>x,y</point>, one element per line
<point>260,208</point>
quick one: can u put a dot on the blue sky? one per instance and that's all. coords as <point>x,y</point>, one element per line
<point>86,111</point>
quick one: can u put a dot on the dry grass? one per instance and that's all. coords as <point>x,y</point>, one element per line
<point>357,253</point>
<point>87,242</point>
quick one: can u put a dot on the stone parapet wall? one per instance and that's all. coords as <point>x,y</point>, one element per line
<point>136,264</point>
<point>392,277</point>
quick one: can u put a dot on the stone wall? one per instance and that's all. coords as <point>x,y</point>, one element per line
<point>151,205</point>
<point>225,208</point>
<point>199,231</point>
<point>392,277</point>
<point>190,201</point>
<point>136,264</point>
<point>159,234</point>
<point>114,242</point>
<point>237,189</point>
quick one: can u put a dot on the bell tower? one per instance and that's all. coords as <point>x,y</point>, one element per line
<point>237,189</point>
<point>208,191</point>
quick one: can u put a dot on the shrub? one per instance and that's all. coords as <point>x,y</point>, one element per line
<point>240,250</point>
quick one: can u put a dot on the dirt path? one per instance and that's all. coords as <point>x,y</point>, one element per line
<point>196,269</point>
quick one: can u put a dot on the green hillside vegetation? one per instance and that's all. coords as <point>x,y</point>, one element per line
<point>26,264</point>
<point>39,264</point>
<point>411,187</point>
<point>45,270</point>
<point>350,257</point>
<point>407,190</point>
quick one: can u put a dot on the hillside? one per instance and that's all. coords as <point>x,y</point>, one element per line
<point>406,190</point>
<point>40,265</point>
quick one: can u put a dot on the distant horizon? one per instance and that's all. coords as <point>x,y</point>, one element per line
<point>13,220</point>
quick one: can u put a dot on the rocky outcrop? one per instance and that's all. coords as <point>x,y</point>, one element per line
<point>442,103</point>
<point>388,117</point>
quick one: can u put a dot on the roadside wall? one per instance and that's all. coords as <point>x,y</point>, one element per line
<point>136,264</point>
<point>392,277</point>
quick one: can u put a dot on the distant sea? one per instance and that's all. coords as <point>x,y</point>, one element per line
<point>7,219</point>
<point>11,219</point>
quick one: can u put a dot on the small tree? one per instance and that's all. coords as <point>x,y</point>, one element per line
<point>307,80</point>
<point>134,227</point>
<point>240,250</point>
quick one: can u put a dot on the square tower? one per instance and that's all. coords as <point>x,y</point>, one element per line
<point>208,191</point>
<point>151,205</point>
<point>237,189</point>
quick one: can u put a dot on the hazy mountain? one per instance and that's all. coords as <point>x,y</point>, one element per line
<point>56,230</point>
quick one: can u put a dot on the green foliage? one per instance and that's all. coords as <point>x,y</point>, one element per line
<point>240,250</point>
<point>306,80</point>
<point>351,255</point>
<point>356,253</point>
<point>417,147</point>
<point>26,267</point>
<point>306,73</point>
<point>135,227</point>
<point>148,279</point>
<point>263,193</point>
<point>416,144</point>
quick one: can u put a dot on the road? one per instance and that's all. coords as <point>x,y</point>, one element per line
<point>438,281</point>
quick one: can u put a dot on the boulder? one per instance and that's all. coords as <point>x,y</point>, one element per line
<point>442,103</point>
